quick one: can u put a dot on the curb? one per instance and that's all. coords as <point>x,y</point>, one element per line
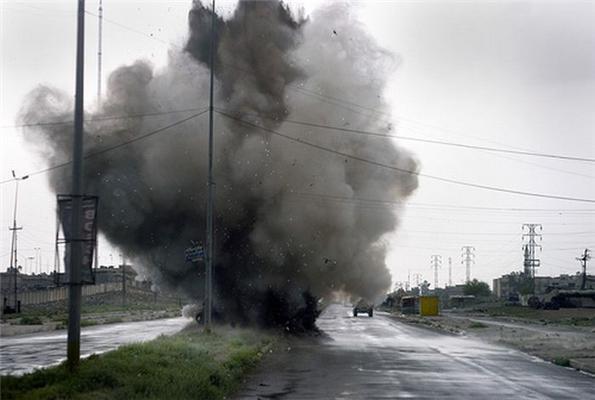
<point>583,364</point>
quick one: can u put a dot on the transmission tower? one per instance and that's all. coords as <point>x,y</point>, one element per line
<point>417,278</point>
<point>530,236</point>
<point>449,271</point>
<point>467,258</point>
<point>436,261</point>
<point>586,256</point>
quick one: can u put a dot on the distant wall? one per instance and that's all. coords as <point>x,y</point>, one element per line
<point>61,293</point>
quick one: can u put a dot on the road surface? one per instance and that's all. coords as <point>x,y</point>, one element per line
<point>380,358</point>
<point>21,354</point>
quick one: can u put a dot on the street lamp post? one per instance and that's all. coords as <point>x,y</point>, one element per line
<point>13,247</point>
<point>37,260</point>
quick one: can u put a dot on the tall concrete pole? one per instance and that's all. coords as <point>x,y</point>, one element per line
<point>210,187</point>
<point>449,271</point>
<point>14,261</point>
<point>75,262</point>
<point>583,259</point>
<point>99,80</point>
<point>99,52</point>
<point>123,281</point>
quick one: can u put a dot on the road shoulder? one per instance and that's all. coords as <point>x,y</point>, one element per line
<point>566,346</point>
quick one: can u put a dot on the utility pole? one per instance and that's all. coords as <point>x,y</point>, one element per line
<point>449,271</point>
<point>467,258</point>
<point>417,277</point>
<point>408,281</point>
<point>208,307</point>
<point>436,264</point>
<point>531,261</point>
<point>586,256</point>
<point>32,261</point>
<point>99,53</point>
<point>37,260</point>
<point>75,262</point>
<point>14,262</point>
<point>123,281</point>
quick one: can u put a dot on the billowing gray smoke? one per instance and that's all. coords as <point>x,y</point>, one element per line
<point>278,248</point>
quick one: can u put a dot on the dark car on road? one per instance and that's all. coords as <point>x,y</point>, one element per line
<point>363,306</point>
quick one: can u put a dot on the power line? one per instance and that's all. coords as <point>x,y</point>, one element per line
<point>405,138</point>
<point>132,29</point>
<point>354,131</point>
<point>413,121</point>
<point>441,206</point>
<point>402,170</point>
<point>415,139</point>
<point>322,96</point>
<point>114,147</point>
<point>103,118</point>
<point>451,220</point>
<point>307,91</point>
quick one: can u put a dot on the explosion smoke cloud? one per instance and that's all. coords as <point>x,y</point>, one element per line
<point>276,252</point>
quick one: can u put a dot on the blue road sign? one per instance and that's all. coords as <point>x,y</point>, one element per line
<point>194,254</point>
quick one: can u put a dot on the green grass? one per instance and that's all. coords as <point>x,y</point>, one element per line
<point>30,320</point>
<point>561,361</point>
<point>475,325</point>
<point>99,304</point>
<point>190,365</point>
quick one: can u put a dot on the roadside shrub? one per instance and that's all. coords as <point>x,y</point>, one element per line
<point>562,361</point>
<point>30,321</point>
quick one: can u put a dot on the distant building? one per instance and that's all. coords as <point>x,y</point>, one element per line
<point>111,274</point>
<point>457,290</point>
<point>544,284</point>
<point>25,281</point>
<point>511,285</point>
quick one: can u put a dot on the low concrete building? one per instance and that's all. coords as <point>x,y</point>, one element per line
<point>510,285</point>
<point>111,274</point>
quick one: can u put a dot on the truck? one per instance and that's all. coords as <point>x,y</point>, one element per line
<point>363,306</point>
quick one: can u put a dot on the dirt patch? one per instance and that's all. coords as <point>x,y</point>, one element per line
<point>561,343</point>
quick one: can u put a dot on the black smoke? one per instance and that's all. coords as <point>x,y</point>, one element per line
<point>278,248</point>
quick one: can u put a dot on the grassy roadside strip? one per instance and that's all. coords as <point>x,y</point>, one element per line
<point>189,365</point>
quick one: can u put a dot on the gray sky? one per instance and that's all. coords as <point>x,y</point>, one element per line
<point>516,75</point>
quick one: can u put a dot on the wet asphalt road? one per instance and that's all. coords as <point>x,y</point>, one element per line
<point>380,358</point>
<point>20,354</point>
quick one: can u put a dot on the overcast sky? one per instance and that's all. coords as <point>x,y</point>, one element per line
<point>515,75</point>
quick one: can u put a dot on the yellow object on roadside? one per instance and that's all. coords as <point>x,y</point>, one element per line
<point>429,306</point>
